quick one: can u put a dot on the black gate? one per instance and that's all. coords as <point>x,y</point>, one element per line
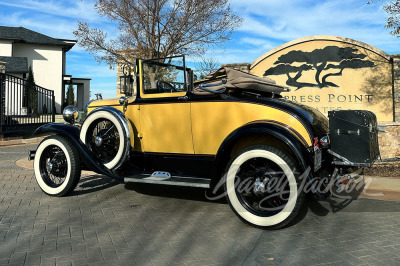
<point>23,110</point>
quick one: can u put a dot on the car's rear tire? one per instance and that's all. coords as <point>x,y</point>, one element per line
<point>262,187</point>
<point>57,166</point>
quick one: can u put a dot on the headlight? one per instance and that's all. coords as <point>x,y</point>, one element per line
<point>70,113</point>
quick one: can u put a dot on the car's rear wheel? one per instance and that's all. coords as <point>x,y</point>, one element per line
<point>104,135</point>
<point>262,187</point>
<point>57,166</point>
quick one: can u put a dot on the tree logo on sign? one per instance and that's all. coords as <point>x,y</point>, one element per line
<point>327,62</point>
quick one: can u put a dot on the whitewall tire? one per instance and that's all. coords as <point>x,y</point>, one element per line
<point>104,134</point>
<point>262,187</point>
<point>57,166</point>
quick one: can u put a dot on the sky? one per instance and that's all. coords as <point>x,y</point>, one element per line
<point>266,24</point>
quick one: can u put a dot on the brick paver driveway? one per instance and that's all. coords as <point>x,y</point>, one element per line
<point>110,223</point>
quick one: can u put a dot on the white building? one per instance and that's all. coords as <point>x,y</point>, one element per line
<point>21,48</point>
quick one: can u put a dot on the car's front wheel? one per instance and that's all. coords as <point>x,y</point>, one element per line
<point>262,187</point>
<point>57,166</point>
<point>104,134</point>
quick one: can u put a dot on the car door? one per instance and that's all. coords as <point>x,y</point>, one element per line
<point>164,109</point>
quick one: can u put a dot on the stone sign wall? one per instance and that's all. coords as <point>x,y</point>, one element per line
<point>332,73</point>
<point>329,73</point>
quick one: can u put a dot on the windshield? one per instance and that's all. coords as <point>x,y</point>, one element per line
<point>162,78</point>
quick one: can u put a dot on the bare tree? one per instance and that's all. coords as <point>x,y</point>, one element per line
<point>392,8</point>
<point>158,28</point>
<point>205,66</point>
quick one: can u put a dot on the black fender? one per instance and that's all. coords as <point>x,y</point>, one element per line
<point>72,134</point>
<point>302,155</point>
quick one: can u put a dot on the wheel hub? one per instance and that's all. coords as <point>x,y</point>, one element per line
<point>49,167</point>
<point>259,186</point>
<point>98,141</point>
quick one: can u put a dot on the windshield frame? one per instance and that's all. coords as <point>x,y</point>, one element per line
<point>160,62</point>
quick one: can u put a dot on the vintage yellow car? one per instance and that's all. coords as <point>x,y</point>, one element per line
<point>232,133</point>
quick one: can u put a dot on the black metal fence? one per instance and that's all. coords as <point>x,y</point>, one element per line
<point>21,109</point>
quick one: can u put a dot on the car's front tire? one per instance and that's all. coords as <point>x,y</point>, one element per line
<point>57,166</point>
<point>262,187</point>
<point>104,134</point>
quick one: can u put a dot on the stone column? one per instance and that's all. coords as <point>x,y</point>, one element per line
<point>396,86</point>
<point>389,141</point>
<point>2,67</point>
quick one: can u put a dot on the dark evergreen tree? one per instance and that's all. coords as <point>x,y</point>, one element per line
<point>31,92</point>
<point>70,95</point>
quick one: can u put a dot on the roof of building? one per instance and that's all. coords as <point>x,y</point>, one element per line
<point>15,64</point>
<point>21,34</point>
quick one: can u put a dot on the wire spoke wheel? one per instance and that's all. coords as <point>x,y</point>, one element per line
<point>53,166</point>
<point>262,187</point>
<point>103,139</point>
<point>105,132</point>
<point>57,166</point>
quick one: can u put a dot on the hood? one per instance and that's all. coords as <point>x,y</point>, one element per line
<point>93,104</point>
<point>104,102</point>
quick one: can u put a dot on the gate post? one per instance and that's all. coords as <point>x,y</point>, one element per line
<point>2,67</point>
<point>2,80</point>
<point>53,103</point>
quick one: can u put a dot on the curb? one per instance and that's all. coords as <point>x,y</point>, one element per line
<point>14,142</point>
<point>381,188</point>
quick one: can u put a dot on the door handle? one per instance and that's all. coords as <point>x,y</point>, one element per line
<point>184,98</point>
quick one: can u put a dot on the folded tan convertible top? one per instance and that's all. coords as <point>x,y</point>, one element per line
<point>238,80</point>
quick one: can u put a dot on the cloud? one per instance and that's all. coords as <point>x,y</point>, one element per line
<point>45,24</point>
<point>287,20</point>
<point>70,9</point>
<point>51,25</point>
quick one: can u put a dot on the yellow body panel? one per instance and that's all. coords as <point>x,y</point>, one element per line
<point>166,128</point>
<point>132,115</point>
<point>195,127</point>
<point>212,122</point>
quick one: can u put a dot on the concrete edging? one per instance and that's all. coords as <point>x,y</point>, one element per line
<point>14,142</point>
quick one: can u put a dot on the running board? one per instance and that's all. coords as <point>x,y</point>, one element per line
<point>172,181</point>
